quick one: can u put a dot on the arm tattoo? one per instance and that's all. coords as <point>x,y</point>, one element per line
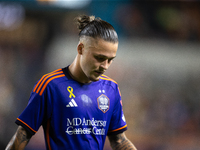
<point>120,142</point>
<point>22,136</point>
<point>19,140</point>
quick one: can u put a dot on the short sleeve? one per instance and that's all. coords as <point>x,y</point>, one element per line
<point>36,113</point>
<point>118,122</point>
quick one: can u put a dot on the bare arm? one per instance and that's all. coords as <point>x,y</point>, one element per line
<point>120,142</point>
<point>19,140</point>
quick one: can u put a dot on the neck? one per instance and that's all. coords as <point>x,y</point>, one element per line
<point>76,72</point>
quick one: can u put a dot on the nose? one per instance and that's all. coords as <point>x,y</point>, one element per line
<point>105,64</point>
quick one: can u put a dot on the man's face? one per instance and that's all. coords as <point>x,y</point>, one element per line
<point>96,57</point>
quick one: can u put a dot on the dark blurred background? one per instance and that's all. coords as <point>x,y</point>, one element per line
<point>157,65</point>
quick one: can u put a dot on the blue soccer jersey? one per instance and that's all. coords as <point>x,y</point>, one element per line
<point>74,116</point>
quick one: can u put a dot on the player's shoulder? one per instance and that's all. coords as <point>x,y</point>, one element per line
<point>107,80</point>
<point>46,79</point>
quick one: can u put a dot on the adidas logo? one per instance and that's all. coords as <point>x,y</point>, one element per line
<point>72,103</point>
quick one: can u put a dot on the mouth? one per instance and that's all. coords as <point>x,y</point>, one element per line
<point>99,72</point>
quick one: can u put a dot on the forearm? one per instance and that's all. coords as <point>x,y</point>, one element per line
<point>19,140</point>
<point>120,142</point>
<point>124,145</point>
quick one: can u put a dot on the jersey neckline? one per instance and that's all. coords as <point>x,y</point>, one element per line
<point>67,74</point>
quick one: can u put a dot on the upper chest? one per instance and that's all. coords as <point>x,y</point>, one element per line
<point>88,98</point>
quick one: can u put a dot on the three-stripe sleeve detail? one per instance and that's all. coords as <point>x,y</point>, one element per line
<point>43,82</point>
<point>104,77</point>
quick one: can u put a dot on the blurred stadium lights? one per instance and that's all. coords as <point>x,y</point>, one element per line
<point>11,15</point>
<point>70,4</point>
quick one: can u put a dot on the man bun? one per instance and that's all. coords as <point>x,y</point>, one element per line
<point>83,20</point>
<point>96,28</point>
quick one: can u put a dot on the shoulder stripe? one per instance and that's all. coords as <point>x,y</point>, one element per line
<point>26,125</point>
<point>104,77</point>
<point>43,82</point>
<point>118,129</point>
<point>45,85</point>
<point>45,79</point>
<point>34,90</point>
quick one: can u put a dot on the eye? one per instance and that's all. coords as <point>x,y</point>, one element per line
<point>100,59</point>
<point>110,60</point>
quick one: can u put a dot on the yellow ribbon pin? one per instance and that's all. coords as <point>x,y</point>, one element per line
<point>70,90</point>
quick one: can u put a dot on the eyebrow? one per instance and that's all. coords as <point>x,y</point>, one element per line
<point>105,56</point>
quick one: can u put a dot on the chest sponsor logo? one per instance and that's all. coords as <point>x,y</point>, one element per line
<point>85,126</point>
<point>103,103</point>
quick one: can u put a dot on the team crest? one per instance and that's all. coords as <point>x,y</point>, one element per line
<point>103,103</point>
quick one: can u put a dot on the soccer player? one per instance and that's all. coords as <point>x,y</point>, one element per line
<point>78,106</point>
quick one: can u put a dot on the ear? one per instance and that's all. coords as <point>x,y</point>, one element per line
<point>80,48</point>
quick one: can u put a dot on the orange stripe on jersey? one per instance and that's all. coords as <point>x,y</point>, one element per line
<point>49,80</point>
<point>104,76</point>
<point>119,91</point>
<point>107,78</point>
<point>26,125</point>
<point>52,74</point>
<point>118,128</point>
<point>43,78</point>
<point>47,134</point>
